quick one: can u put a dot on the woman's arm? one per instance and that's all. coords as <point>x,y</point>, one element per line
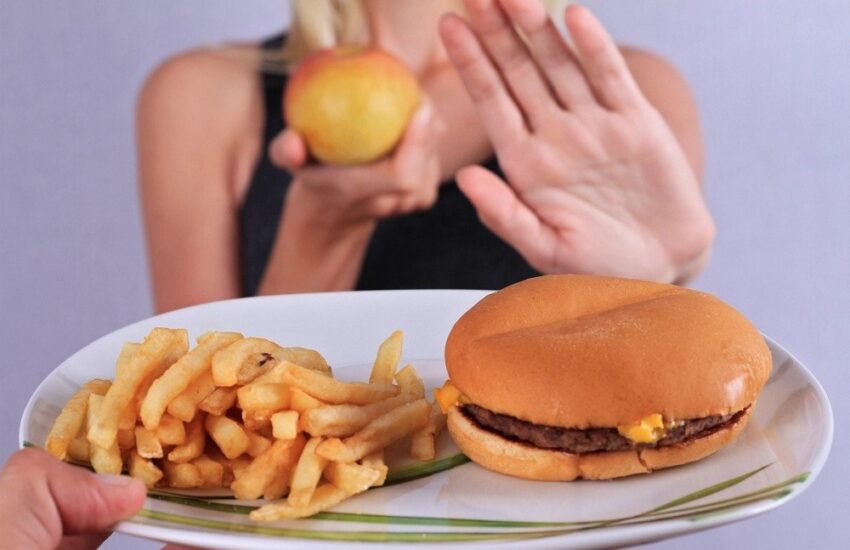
<point>194,114</point>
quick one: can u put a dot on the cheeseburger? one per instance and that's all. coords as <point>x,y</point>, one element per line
<point>566,376</point>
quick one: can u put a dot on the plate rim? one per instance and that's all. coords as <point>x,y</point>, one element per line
<point>620,534</point>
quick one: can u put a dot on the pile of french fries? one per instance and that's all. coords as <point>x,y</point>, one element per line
<point>245,413</point>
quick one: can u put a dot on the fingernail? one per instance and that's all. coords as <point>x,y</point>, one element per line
<point>117,481</point>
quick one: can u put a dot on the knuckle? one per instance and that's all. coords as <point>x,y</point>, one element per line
<point>383,206</point>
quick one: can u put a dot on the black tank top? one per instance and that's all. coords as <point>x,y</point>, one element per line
<point>444,247</point>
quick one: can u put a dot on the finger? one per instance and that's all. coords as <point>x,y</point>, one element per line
<point>551,51</point>
<point>601,60</point>
<point>348,182</point>
<point>401,172</point>
<point>99,502</point>
<point>288,150</point>
<point>507,216</point>
<point>53,499</point>
<point>415,150</point>
<point>501,117</point>
<point>512,57</point>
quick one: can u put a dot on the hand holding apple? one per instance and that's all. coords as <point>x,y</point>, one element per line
<point>331,211</point>
<point>351,104</point>
<point>404,182</point>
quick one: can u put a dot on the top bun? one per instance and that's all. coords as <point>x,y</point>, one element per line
<point>579,351</point>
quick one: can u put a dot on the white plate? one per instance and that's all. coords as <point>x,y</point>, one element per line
<point>775,458</point>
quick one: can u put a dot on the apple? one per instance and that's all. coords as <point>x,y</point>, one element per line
<point>350,104</point>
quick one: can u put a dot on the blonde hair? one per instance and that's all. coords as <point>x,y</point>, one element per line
<point>320,24</point>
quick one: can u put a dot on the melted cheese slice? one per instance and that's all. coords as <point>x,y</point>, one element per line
<point>648,429</point>
<point>448,395</point>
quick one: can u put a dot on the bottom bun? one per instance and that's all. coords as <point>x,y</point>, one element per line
<point>505,456</point>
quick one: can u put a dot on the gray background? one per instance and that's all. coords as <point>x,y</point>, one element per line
<point>772,80</point>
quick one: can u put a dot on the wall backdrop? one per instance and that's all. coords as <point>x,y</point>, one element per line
<point>772,80</point>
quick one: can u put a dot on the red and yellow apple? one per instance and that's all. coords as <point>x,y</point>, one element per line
<point>350,104</point>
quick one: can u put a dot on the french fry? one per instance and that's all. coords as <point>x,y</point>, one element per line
<point>285,424</point>
<point>78,449</point>
<point>227,470</point>
<point>71,418</point>
<point>170,430</point>
<point>351,477</point>
<point>157,347</point>
<point>256,421</point>
<point>389,353</point>
<point>301,402</point>
<point>307,474</point>
<point>131,413</point>
<point>346,420</point>
<point>375,461</point>
<point>185,406</point>
<point>260,396</point>
<point>384,430</point>
<point>277,460</point>
<point>279,485</point>
<point>274,375</point>
<point>219,401</point>
<point>147,443</point>
<point>331,390</point>
<point>239,465</point>
<point>104,460</point>
<point>143,469</point>
<point>184,475</point>
<point>126,439</point>
<point>211,472</point>
<point>258,444</point>
<point>193,444</point>
<point>410,383</point>
<point>127,421</point>
<point>248,357</point>
<point>304,357</point>
<point>422,445</point>
<point>423,442</point>
<point>179,375</point>
<point>228,434</point>
<point>324,497</point>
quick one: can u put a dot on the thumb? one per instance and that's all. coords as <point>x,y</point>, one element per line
<point>45,499</point>
<point>99,501</point>
<point>416,147</point>
<point>507,216</point>
<point>288,150</point>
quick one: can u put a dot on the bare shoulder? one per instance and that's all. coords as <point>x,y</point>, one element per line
<point>202,82</point>
<point>668,91</point>
<point>208,98</point>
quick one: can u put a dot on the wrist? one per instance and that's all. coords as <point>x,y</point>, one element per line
<point>315,250</point>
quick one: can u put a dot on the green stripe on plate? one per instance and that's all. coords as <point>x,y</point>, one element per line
<point>245,509</point>
<point>351,536</point>
<point>424,469</point>
<point>667,511</point>
<point>708,491</point>
<point>390,536</point>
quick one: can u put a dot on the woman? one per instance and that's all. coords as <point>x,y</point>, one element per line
<point>600,150</point>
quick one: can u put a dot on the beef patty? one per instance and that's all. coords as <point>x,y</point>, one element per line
<point>591,440</point>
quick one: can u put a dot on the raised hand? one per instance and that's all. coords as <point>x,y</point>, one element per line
<point>598,183</point>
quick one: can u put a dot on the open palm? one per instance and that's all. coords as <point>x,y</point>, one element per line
<point>598,181</point>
